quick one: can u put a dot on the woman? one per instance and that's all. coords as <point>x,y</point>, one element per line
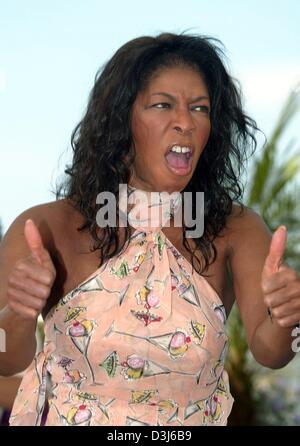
<point>8,390</point>
<point>135,315</point>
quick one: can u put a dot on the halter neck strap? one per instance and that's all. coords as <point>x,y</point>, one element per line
<point>147,210</point>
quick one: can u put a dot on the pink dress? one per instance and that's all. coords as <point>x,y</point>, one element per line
<point>141,342</point>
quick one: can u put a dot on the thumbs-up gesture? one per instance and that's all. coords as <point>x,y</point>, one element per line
<point>31,279</point>
<point>281,284</point>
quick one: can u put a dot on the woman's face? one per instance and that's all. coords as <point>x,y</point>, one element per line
<point>173,111</point>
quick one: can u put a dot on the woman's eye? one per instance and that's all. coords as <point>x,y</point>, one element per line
<point>161,105</point>
<point>202,108</point>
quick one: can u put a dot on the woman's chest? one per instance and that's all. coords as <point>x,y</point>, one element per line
<point>75,262</point>
<point>218,274</point>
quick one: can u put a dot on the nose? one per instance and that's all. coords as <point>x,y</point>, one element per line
<point>183,121</point>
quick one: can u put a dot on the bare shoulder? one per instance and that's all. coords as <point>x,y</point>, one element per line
<point>244,216</point>
<point>243,225</point>
<point>50,218</point>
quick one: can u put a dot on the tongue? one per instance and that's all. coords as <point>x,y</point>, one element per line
<point>177,160</point>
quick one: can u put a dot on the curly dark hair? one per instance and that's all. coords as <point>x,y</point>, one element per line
<point>103,148</point>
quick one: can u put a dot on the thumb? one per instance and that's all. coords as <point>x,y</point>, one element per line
<point>276,251</point>
<point>34,240</point>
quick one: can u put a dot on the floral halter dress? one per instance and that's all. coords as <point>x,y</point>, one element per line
<point>141,342</point>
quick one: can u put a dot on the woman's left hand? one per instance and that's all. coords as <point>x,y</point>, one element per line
<point>281,284</point>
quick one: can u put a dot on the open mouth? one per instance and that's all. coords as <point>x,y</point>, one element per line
<point>180,162</point>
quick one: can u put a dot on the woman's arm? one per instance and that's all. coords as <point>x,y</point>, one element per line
<point>23,290</point>
<point>8,390</point>
<point>269,340</point>
<point>20,343</point>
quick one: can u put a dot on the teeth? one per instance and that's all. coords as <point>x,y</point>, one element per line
<point>178,149</point>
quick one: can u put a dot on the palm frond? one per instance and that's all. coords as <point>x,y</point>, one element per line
<point>282,176</point>
<point>264,165</point>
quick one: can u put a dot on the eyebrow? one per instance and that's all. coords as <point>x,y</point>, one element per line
<point>161,93</point>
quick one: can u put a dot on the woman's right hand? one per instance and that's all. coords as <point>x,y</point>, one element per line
<point>31,279</point>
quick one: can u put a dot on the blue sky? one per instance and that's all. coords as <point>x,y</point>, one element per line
<point>51,50</point>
